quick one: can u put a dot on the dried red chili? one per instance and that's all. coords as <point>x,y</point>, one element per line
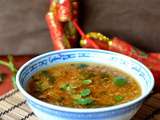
<point>75,9</point>
<point>69,29</point>
<point>123,47</point>
<point>155,56</point>
<point>120,46</point>
<point>95,40</point>
<point>63,13</point>
<point>64,10</point>
<point>117,45</point>
<point>156,75</point>
<point>59,40</point>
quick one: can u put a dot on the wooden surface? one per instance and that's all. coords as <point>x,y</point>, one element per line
<point>13,107</point>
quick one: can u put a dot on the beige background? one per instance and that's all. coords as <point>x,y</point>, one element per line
<point>24,31</point>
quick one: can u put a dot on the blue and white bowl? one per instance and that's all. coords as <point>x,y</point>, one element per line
<point>46,111</point>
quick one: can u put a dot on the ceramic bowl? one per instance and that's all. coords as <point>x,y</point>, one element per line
<point>46,111</point>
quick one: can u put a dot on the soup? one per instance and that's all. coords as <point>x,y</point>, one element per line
<point>83,85</point>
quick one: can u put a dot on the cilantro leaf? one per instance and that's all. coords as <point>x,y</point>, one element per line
<point>84,101</point>
<point>88,81</point>
<point>82,66</point>
<point>118,98</point>
<point>85,92</point>
<point>119,81</point>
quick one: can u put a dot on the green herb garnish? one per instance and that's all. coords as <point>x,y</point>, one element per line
<point>119,81</point>
<point>118,98</point>
<point>82,66</point>
<point>85,92</point>
<point>79,99</point>
<point>87,81</point>
<point>76,96</point>
<point>41,86</point>
<point>84,101</point>
<point>50,77</point>
<point>86,75</point>
<point>66,87</point>
<point>11,66</point>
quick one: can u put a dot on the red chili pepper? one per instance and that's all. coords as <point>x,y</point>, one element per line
<point>64,10</point>
<point>155,56</point>
<point>152,64</point>
<point>67,10</point>
<point>74,9</point>
<point>87,40</point>
<point>95,40</point>
<point>156,75</point>
<point>119,45</point>
<point>59,40</point>
<point>150,60</point>
<point>123,47</point>
<point>89,43</point>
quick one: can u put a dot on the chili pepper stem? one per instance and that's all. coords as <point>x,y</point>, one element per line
<point>82,33</point>
<point>4,63</point>
<point>12,68</point>
<point>14,80</point>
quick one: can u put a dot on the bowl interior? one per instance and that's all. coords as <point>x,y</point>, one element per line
<point>127,64</point>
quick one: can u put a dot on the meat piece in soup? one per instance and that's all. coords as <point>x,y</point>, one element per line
<point>83,85</point>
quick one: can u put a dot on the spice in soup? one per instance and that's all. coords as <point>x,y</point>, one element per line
<point>83,85</point>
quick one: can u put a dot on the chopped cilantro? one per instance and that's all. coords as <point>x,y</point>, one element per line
<point>66,87</point>
<point>119,81</point>
<point>118,98</point>
<point>88,81</point>
<point>84,101</point>
<point>85,92</point>
<point>50,77</point>
<point>82,66</point>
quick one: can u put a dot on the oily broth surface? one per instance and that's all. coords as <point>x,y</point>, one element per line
<point>102,88</point>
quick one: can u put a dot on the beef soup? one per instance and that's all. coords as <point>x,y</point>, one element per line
<point>83,85</point>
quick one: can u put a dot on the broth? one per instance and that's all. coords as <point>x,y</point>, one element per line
<point>83,85</point>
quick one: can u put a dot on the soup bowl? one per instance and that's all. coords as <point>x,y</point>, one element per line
<point>46,111</point>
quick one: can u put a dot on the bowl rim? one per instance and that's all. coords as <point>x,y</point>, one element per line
<point>83,110</point>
